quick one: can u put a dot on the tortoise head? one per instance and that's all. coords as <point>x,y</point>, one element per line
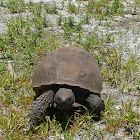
<point>64,99</point>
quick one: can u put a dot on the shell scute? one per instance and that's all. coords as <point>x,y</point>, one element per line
<point>71,66</point>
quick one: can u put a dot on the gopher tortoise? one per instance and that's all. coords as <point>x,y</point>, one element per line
<point>66,79</point>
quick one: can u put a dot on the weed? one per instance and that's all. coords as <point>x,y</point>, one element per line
<point>39,18</point>
<point>15,6</point>
<point>72,8</point>
<point>126,117</point>
<point>86,19</point>
<point>103,8</point>
<point>68,26</point>
<point>59,20</point>
<point>116,7</point>
<point>51,9</point>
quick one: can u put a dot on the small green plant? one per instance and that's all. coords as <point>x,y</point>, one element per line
<point>59,20</point>
<point>86,19</point>
<point>68,26</point>
<point>116,7</point>
<point>72,8</point>
<point>98,8</point>
<point>130,115</point>
<point>15,6</point>
<point>39,18</point>
<point>20,35</point>
<point>51,9</point>
<point>103,8</point>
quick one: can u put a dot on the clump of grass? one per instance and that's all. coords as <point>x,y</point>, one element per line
<point>13,121</point>
<point>51,9</point>
<point>123,117</point>
<point>22,37</point>
<point>18,30</point>
<point>67,24</point>
<point>86,19</point>
<point>116,67</point>
<point>72,9</point>
<point>15,6</point>
<point>103,8</point>
<point>116,7</point>
<point>67,130</point>
<point>70,26</point>
<point>39,18</point>
<point>112,116</point>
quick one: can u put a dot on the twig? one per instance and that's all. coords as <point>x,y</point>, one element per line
<point>11,71</point>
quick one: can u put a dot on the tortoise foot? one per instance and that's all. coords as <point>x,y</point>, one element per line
<point>95,103</point>
<point>39,108</point>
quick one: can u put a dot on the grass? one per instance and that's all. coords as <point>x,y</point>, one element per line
<point>51,9</point>
<point>72,9</point>
<point>27,39</point>
<point>15,6</point>
<point>103,8</point>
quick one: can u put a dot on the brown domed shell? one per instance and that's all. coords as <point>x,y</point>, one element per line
<point>71,66</point>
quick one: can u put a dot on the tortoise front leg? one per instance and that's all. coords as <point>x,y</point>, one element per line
<point>39,108</point>
<point>95,104</point>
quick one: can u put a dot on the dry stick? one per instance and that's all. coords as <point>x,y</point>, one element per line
<point>11,71</point>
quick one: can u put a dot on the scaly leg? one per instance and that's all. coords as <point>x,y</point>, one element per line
<point>39,108</point>
<point>95,103</point>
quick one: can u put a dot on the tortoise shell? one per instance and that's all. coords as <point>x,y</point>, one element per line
<point>72,66</point>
